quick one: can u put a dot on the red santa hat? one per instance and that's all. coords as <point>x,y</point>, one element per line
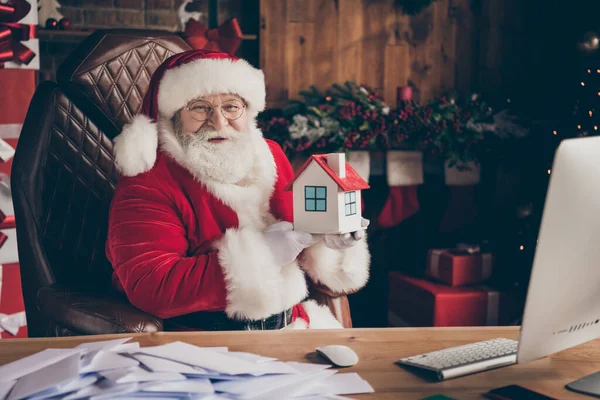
<point>178,80</point>
<point>195,73</point>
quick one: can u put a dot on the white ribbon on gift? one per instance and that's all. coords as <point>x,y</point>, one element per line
<point>493,306</point>
<point>434,263</point>
<point>11,323</point>
<point>10,131</point>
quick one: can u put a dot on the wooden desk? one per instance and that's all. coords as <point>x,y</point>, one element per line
<point>377,349</point>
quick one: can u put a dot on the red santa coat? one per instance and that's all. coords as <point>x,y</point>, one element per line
<point>180,243</point>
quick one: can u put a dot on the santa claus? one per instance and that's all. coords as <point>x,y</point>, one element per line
<point>200,228</point>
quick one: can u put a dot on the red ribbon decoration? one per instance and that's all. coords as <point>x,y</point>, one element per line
<point>12,33</point>
<point>226,38</point>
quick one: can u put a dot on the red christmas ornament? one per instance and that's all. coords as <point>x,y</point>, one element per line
<point>51,23</point>
<point>64,23</point>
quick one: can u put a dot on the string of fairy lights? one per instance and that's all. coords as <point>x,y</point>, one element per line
<point>580,131</point>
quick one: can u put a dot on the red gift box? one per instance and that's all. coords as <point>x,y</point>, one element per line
<point>458,268</point>
<point>419,302</point>
<point>17,87</point>
<point>13,323</point>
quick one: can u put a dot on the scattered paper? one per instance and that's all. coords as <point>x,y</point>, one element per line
<point>342,384</point>
<point>5,388</point>
<point>69,387</point>
<point>105,345</point>
<point>116,369</point>
<point>188,386</point>
<point>306,367</point>
<point>201,357</point>
<point>106,389</point>
<point>157,364</point>
<point>140,375</point>
<point>45,378</point>
<point>126,348</point>
<point>107,360</point>
<point>34,362</point>
<point>251,357</point>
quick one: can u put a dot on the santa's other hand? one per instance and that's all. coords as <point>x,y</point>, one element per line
<point>285,243</point>
<point>345,240</point>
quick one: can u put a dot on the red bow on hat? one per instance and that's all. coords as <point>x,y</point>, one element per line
<point>12,32</point>
<point>226,38</point>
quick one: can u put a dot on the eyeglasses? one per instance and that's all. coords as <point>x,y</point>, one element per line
<point>202,110</point>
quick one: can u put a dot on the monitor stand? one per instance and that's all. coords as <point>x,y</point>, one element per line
<point>589,385</point>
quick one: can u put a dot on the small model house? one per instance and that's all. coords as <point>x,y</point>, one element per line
<point>326,192</point>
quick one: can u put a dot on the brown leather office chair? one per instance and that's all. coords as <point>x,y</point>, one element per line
<point>63,178</point>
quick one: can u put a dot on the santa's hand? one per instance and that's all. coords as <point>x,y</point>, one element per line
<point>345,240</point>
<point>286,243</point>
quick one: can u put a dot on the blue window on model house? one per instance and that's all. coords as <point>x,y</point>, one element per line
<point>315,198</point>
<point>350,203</point>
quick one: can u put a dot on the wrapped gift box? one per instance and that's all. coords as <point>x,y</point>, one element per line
<point>458,268</point>
<point>16,91</point>
<point>13,323</point>
<point>24,33</point>
<point>420,302</point>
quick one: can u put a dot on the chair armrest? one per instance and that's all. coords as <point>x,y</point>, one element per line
<point>91,313</point>
<point>324,290</point>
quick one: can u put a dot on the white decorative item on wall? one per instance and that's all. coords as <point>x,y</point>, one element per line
<point>48,9</point>
<point>8,232</point>
<point>184,15</point>
<point>327,195</point>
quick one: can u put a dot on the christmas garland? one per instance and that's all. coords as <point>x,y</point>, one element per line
<point>353,117</point>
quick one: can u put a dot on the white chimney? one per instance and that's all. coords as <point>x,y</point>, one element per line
<point>337,162</point>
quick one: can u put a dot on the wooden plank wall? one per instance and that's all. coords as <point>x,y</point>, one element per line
<point>464,44</point>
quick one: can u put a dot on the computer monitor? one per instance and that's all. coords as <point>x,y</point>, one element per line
<point>562,307</point>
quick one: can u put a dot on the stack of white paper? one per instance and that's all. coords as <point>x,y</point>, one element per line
<point>116,369</point>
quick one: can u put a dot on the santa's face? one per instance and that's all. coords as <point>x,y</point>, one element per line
<point>214,132</point>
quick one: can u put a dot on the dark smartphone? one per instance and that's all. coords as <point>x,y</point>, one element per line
<point>516,392</point>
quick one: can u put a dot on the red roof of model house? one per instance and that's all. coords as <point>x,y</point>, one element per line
<point>352,180</point>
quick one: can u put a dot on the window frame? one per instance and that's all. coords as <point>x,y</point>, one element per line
<point>315,198</point>
<point>350,201</point>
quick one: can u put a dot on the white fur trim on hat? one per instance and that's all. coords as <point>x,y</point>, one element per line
<point>404,168</point>
<point>256,286</point>
<point>135,147</point>
<point>203,77</point>
<point>342,271</point>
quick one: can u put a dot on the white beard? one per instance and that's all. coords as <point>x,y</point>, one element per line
<point>229,161</point>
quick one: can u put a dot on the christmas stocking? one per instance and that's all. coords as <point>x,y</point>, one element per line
<point>404,174</point>
<point>462,207</point>
<point>361,162</point>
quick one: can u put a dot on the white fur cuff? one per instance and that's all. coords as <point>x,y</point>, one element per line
<point>256,287</point>
<point>462,177</point>
<point>404,168</point>
<point>361,162</point>
<point>135,148</point>
<point>320,316</point>
<point>342,271</point>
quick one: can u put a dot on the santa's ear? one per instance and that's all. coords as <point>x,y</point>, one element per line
<point>135,148</point>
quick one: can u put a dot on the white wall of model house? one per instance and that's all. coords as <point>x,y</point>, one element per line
<point>315,184</point>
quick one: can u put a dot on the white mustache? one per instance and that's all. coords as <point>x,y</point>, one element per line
<point>206,135</point>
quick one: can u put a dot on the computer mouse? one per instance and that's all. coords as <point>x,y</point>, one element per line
<point>341,356</point>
